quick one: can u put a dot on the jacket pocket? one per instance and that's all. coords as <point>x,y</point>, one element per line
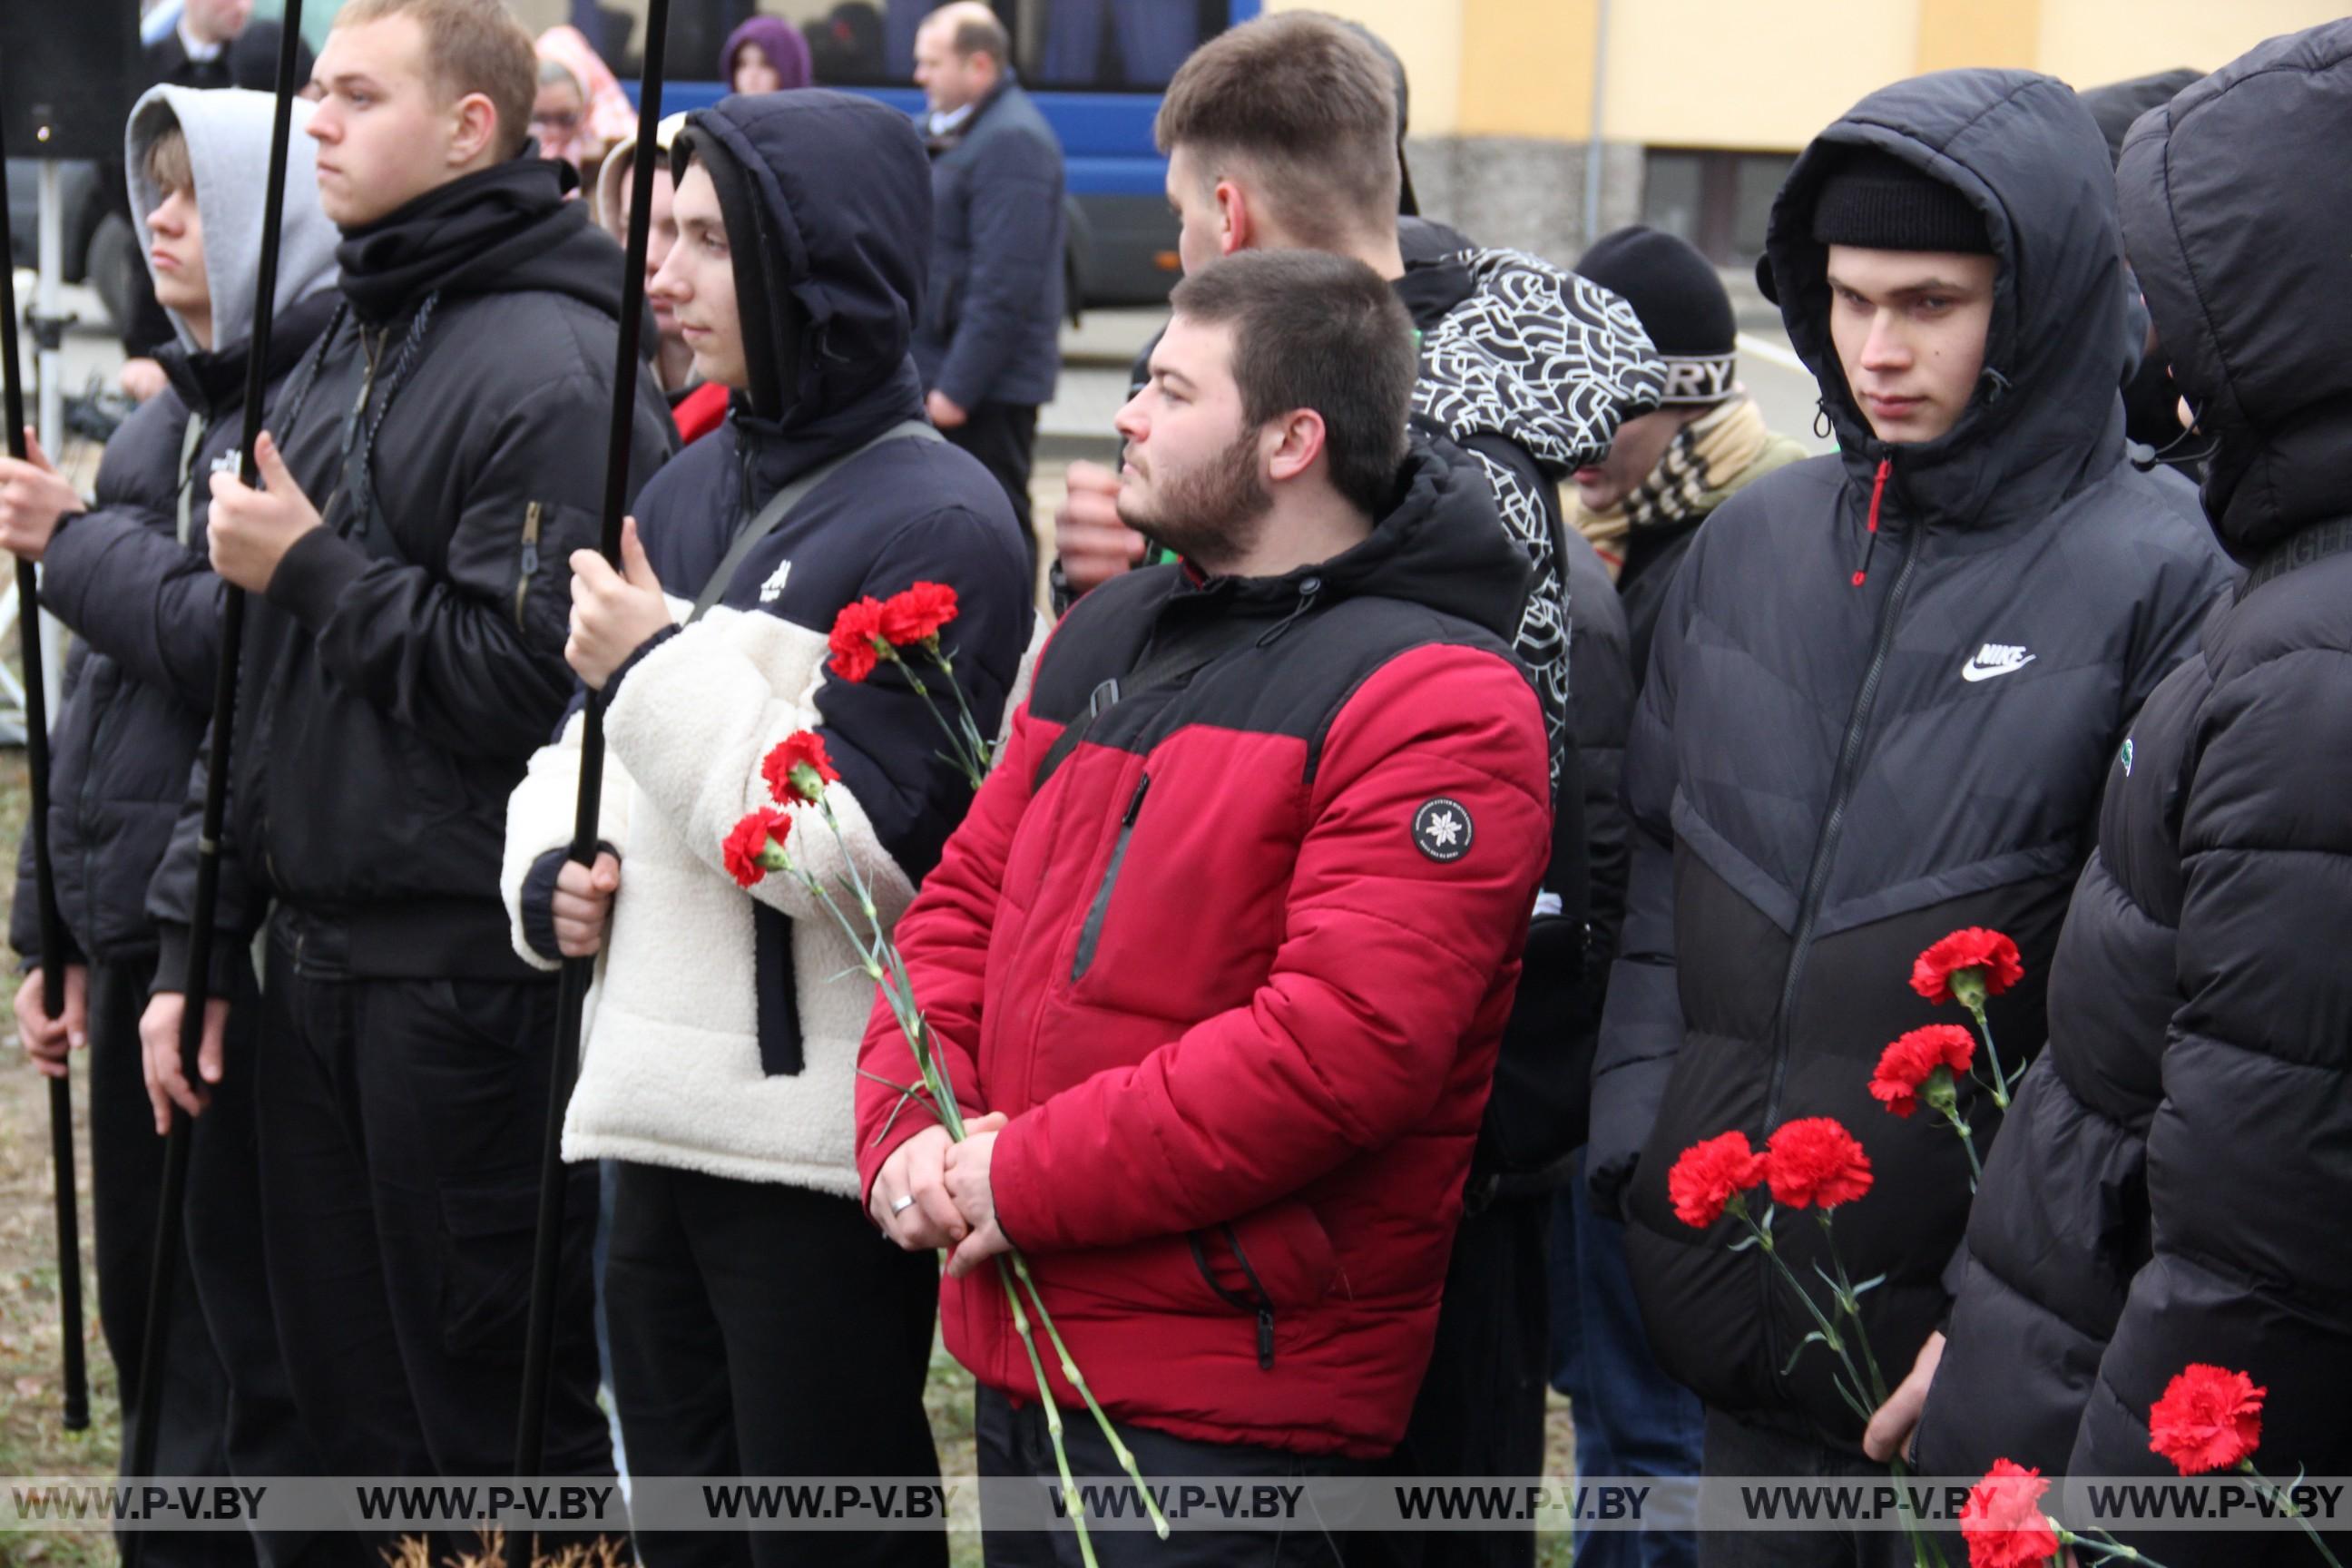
<point>1090,933</point>
<point>1279,1257</point>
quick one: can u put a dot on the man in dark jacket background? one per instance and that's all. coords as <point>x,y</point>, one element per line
<point>2172,1183</point>
<point>989,343</point>
<point>1669,468</point>
<point>1902,734</point>
<point>404,658</point>
<point>128,576</point>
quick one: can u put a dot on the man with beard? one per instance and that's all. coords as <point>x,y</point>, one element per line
<point>1220,961</point>
<point>423,489</point>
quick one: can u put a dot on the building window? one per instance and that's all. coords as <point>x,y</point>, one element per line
<point>1719,201</point>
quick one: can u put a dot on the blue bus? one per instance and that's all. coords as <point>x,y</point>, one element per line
<point>1095,69</point>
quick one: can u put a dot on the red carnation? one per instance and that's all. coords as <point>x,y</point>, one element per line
<point>2002,1520</point>
<point>1905,1066</point>
<point>1990,956</point>
<point>918,613</point>
<point>1815,1161</point>
<point>748,840</point>
<point>801,748</point>
<point>1709,1174</point>
<point>2210,1419</point>
<point>853,634</point>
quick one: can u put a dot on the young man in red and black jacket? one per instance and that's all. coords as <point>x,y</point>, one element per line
<point>1220,959</point>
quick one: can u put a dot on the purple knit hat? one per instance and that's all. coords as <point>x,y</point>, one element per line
<point>779,40</point>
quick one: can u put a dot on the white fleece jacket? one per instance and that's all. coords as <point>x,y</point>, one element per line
<point>670,1072</point>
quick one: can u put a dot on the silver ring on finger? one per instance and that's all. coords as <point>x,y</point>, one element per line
<point>901,1203</point>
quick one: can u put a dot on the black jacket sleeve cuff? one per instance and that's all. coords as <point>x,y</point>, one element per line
<point>539,899</point>
<point>612,686</point>
<point>230,970</point>
<point>311,576</point>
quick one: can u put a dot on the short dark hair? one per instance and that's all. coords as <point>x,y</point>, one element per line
<point>1312,330</point>
<point>167,166</point>
<point>1309,105</point>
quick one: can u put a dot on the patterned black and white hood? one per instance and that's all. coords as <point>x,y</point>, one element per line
<point>1533,358</point>
<point>1539,356</point>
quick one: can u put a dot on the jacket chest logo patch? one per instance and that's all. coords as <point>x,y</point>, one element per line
<point>1995,658</point>
<point>773,588</point>
<point>1442,831</point>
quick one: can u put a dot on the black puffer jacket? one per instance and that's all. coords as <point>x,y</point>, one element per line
<point>408,656</point>
<point>1834,763</point>
<point>131,578</point>
<point>2173,1183</point>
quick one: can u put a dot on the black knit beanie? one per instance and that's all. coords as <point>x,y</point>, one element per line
<point>1878,202</point>
<point>1680,303</point>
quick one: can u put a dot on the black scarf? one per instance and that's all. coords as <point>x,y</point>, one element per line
<point>460,236</point>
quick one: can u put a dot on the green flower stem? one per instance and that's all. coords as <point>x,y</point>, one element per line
<point>2279,1495</point>
<point>1851,1304</point>
<point>1078,1380</point>
<point>1070,1498</point>
<point>880,960</point>
<point>1974,1002</point>
<point>975,770</point>
<point>2109,1547</point>
<point>1968,1142</point>
<point>971,725</point>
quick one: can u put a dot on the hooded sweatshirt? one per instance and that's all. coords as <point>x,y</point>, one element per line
<point>1885,688</point>
<point>2172,1183</point>
<point>748,1072</point>
<point>407,655</point>
<point>131,576</point>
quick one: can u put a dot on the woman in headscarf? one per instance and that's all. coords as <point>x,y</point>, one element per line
<point>581,109</point>
<point>766,54</point>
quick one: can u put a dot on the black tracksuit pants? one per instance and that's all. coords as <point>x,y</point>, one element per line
<point>760,1330</point>
<point>401,1124</point>
<point>223,1407</point>
<point>1015,1444</point>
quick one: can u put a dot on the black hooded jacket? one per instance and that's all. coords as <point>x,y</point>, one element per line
<point>407,657</point>
<point>826,198</point>
<point>131,579</point>
<point>1850,744</point>
<point>2174,1179</point>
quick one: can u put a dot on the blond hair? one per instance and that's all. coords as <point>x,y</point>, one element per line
<point>470,46</point>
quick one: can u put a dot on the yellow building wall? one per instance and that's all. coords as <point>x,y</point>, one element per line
<point>1766,75</point>
<point>2093,42</point>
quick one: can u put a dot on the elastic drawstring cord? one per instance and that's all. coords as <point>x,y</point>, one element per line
<point>1870,540</point>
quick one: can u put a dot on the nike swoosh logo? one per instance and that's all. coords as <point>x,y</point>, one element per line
<point>1972,670</point>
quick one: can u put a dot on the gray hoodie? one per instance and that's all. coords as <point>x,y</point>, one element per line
<point>228,133</point>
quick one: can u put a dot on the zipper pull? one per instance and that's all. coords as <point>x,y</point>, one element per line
<point>1135,803</point>
<point>1870,539</point>
<point>1265,1338</point>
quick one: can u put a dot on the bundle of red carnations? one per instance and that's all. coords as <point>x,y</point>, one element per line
<point>870,632</point>
<point>1924,1065</point>
<point>1813,1162</point>
<point>797,772</point>
<point>2209,1418</point>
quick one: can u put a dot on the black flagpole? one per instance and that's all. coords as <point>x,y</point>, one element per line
<point>195,986</point>
<point>53,939</point>
<point>531,1426</point>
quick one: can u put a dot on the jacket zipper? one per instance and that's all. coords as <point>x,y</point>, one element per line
<point>1817,872</point>
<point>1091,932</point>
<point>529,558</point>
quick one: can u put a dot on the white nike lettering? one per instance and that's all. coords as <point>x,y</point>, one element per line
<point>1995,658</point>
